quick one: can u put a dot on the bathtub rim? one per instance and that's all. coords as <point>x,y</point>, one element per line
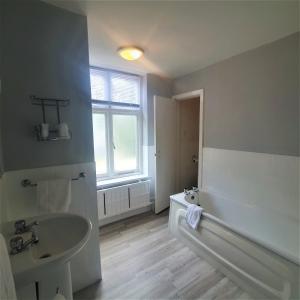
<point>179,198</point>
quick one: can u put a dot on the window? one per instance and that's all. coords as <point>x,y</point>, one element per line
<point>117,122</point>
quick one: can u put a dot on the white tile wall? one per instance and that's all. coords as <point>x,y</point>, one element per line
<point>256,193</point>
<point>262,180</point>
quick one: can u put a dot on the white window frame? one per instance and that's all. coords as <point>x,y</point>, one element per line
<point>108,109</point>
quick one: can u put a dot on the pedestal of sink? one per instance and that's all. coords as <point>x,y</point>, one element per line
<point>55,279</point>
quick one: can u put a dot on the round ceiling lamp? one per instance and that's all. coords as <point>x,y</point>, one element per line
<point>131,52</point>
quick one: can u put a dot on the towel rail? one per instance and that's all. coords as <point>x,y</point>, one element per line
<point>27,182</point>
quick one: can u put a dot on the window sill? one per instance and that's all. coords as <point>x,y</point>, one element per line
<point>109,183</point>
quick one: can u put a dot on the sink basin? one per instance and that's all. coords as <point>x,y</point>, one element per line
<point>61,236</point>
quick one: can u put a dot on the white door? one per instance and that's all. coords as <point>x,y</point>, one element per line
<point>165,127</point>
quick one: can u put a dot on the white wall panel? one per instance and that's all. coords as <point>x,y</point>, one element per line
<point>255,192</point>
<point>254,179</point>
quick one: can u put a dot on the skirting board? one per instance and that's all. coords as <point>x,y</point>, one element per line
<point>125,215</point>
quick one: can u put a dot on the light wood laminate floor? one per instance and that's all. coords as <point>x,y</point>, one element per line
<point>142,260</point>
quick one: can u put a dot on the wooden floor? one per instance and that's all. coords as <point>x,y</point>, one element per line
<point>141,260</point>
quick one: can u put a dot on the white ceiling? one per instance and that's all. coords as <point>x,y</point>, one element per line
<point>180,37</point>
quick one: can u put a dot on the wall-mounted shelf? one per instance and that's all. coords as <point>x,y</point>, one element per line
<point>50,102</point>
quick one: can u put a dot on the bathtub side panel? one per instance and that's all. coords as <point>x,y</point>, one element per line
<point>256,269</point>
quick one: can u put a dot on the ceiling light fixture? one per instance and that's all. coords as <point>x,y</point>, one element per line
<point>131,52</point>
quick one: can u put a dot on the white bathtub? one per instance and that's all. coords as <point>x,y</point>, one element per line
<point>256,250</point>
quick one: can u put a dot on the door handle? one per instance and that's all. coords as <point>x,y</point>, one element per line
<point>195,159</point>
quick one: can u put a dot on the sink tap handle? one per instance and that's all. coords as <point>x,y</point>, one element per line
<point>16,244</point>
<point>20,226</point>
<point>34,223</point>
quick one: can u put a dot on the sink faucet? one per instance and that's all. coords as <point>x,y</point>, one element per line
<point>21,226</point>
<point>18,245</point>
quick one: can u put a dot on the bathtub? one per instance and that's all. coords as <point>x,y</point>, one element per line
<point>262,259</point>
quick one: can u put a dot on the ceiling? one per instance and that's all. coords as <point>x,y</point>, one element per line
<point>180,37</point>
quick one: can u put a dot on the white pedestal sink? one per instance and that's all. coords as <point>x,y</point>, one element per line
<point>44,267</point>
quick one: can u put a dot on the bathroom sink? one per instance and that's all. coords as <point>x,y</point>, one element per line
<point>61,236</point>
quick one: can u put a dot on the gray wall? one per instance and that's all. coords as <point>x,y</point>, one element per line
<point>45,53</point>
<point>251,101</point>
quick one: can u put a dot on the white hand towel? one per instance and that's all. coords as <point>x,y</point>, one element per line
<point>54,195</point>
<point>193,215</point>
<point>7,284</point>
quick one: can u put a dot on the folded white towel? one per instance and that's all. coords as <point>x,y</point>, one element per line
<point>193,215</point>
<point>7,284</point>
<point>54,195</point>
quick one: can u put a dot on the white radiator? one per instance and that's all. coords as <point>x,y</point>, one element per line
<point>118,200</point>
<point>139,195</point>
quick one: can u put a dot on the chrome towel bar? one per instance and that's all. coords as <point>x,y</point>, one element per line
<point>27,182</point>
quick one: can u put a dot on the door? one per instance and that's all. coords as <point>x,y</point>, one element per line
<point>165,128</point>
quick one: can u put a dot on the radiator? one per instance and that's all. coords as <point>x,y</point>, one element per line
<point>118,200</point>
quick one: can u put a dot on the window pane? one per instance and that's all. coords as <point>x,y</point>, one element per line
<point>100,143</point>
<point>98,84</point>
<point>125,88</point>
<point>125,142</point>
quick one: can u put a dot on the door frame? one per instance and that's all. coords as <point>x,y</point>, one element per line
<point>187,96</point>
